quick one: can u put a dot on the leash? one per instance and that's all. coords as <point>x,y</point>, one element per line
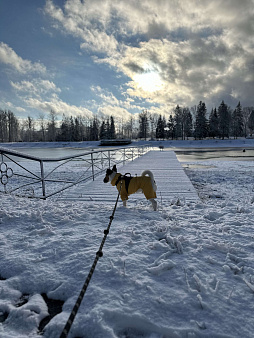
<point>99,254</point>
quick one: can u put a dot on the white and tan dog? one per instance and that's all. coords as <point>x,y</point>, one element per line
<point>131,185</point>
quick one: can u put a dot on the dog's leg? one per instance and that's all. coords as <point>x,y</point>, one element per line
<point>154,203</point>
<point>125,203</point>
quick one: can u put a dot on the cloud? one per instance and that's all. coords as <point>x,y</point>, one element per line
<point>86,23</point>
<point>201,50</point>
<point>10,105</point>
<point>120,114</point>
<point>152,19</point>
<point>110,105</point>
<point>58,106</point>
<point>36,87</point>
<point>9,57</point>
<point>38,93</point>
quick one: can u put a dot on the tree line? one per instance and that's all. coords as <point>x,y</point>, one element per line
<point>47,129</point>
<point>183,122</point>
<point>221,122</point>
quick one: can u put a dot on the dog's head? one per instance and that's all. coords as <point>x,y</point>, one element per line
<point>109,174</point>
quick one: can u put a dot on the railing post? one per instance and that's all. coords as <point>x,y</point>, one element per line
<point>43,180</point>
<point>101,160</point>
<point>92,165</point>
<point>109,158</point>
<point>124,156</point>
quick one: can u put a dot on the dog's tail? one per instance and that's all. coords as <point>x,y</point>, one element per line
<point>150,174</point>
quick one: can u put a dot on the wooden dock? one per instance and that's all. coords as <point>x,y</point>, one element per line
<point>172,182</point>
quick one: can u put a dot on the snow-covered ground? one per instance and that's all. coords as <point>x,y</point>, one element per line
<point>186,270</point>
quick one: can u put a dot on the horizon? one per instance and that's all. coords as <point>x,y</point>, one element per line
<point>105,58</point>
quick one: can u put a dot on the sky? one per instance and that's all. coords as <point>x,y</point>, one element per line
<point>105,57</point>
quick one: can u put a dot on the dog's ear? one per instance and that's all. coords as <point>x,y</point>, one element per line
<point>114,168</point>
<point>108,172</point>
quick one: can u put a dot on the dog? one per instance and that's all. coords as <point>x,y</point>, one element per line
<point>131,185</point>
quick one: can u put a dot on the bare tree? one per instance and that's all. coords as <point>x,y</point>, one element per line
<point>43,126</point>
<point>52,126</point>
<point>29,129</point>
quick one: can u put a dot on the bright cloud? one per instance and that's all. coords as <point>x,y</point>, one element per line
<point>9,57</point>
<point>111,106</point>
<point>199,49</point>
<point>86,23</point>
<point>119,57</point>
<point>35,87</point>
<point>58,106</point>
<point>149,81</point>
<point>10,105</point>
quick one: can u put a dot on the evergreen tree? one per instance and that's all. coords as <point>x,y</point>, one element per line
<point>72,130</point>
<point>171,127</point>
<point>77,130</point>
<point>201,124</point>
<point>224,120</point>
<point>237,121</point>
<point>187,123</point>
<point>107,129</point>
<point>178,121</point>
<point>64,134</point>
<point>152,123</point>
<point>213,123</point>
<point>143,125</point>
<point>112,131</point>
<point>183,122</point>
<point>82,129</point>
<point>160,129</point>
<point>251,122</point>
<point>94,130</point>
<point>103,133</point>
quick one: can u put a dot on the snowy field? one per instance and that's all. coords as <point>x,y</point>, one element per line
<point>186,270</point>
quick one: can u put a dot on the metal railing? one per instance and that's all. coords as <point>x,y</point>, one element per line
<point>34,177</point>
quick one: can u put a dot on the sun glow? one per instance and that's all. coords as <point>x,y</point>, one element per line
<point>149,81</point>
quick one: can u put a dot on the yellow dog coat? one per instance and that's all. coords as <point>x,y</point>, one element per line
<point>141,182</point>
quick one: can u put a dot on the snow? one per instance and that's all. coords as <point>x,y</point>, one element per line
<point>186,270</point>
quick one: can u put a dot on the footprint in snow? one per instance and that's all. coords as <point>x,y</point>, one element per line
<point>161,268</point>
<point>213,216</point>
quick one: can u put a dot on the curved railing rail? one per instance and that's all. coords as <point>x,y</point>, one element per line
<point>31,176</point>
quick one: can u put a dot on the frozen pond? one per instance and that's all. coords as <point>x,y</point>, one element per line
<point>222,154</point>
<point>54,152</point>
<point>183,154</point>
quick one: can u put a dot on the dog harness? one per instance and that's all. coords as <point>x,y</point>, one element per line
<point>126,179</point>
<point>133,184</point>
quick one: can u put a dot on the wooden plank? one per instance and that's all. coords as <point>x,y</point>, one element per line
<point>170,177</point>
